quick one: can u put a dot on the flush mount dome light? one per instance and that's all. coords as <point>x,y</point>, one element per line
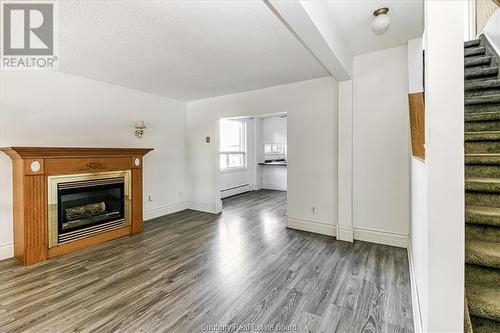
<point>381,22</point>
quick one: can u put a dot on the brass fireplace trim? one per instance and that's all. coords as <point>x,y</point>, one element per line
<point>53,181</point>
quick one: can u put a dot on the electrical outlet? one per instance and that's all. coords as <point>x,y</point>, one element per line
<point>313,210</point>
<point>150,197</point>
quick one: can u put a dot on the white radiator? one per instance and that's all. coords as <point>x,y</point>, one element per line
<point>230,191</point>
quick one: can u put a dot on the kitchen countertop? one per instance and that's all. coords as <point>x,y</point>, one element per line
<point>274,163</point>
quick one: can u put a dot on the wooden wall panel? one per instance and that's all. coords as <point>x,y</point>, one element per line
<point>417,123</point>
<point>18,213</point>
<point>62,166</point>
<point>35,219</point>
<point>137,222</point>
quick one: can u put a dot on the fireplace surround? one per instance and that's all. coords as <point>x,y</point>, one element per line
<point>69,198</point>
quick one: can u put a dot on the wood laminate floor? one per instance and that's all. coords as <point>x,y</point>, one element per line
<point>196,272</point>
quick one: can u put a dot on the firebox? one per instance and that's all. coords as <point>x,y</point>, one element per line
<point>85,205</point>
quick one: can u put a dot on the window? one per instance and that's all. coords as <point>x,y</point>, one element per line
<point>275,149</point>
<point>233,146</point>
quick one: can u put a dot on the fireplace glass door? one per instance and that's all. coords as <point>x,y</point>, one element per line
<point>88,206</point>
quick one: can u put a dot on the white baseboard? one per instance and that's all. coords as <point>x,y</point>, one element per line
<point>345,234</point>
<point>203,207</point>
<point>6,251</point>
<point>164,210</point>
<point>311,226</point>
<point>277,187</point>
<point>373,236</point>
<point>417,316</point>
<point>381,237</point>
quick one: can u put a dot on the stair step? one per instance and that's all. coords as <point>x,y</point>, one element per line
<point>482,108</point>
<point>482,136</point>
<point>486,233</point>
<point>482,147</point>
<point>479,159</point>
<point>484,300</point>
<point>472,43</point>
<point>483,184</point>
<point>473,51</point>
<point>480,116</point>
<point>482,126</point>
<point>485,99</point>
<point>482,159</point>
<point>482,170</point>
<point>482,325</point>
<point>475,273</point>
<point>485,84</point>
<point>482,253</point>
<point>474,73</point>
<point>477,61</point>
<point>482,215</point>
<point>489,199</point>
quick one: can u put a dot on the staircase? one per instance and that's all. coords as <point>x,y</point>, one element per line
<point>482,187</point>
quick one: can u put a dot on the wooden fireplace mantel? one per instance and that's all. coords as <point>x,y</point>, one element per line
<point>31,168</point>
<point>64,152</point>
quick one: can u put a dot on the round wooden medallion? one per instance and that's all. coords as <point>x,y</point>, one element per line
<point>35,166</point>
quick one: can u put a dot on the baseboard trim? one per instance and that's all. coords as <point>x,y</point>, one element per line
<point>6,251</point>
<point>345,234</point>
<point>276,187</point>
<point>164,210</point>
<point>381,237</point>
<point>311,226</point>
<point>367,235</point>
<point>417,316</point>
<point>203,207</point>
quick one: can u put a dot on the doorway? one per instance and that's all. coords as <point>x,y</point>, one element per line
<point>253,154</point>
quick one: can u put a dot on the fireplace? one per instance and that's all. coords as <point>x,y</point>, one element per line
<point>70,198</point>
<point>84,205</point>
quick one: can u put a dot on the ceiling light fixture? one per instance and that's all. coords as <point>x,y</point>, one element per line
<point>381,22</point>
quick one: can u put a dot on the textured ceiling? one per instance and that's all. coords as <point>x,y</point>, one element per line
<point>181,49</point>
<point>354,18</point>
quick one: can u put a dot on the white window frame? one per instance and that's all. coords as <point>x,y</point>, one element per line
<point>243,152</point>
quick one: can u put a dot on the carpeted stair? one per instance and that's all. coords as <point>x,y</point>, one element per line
<point>482,187</point>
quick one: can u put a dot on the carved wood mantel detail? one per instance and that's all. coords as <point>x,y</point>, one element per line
<point>32,166</point>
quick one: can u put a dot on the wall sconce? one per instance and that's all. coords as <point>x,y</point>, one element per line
<point>139,128</point>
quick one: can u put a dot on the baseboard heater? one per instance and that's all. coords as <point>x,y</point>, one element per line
<point>230,191</point>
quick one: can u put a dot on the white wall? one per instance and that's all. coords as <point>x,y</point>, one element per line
<point>492,30</point>
<point>312,128</point>
<point>55,109</point>
<point>345,229</point>
<point>418,227</point>
<point>381,147</point>
<point>415,66</point>
<point>443,243</point>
